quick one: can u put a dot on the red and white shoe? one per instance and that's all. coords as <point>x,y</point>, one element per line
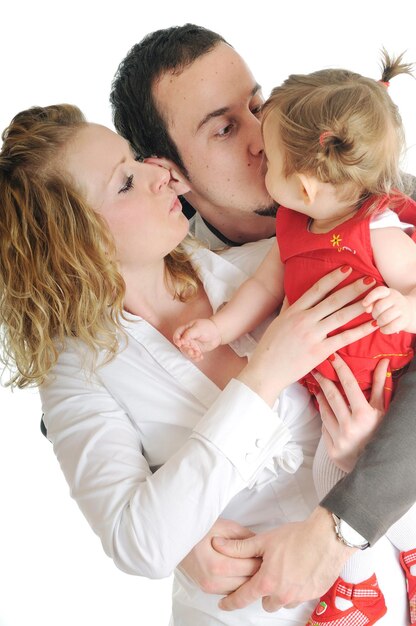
<point>407,559</point>
<point>367,599</point>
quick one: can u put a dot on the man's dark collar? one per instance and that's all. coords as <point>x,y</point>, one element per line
<point>189,212</point>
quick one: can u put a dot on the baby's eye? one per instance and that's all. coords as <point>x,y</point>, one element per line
<point>128,185</point>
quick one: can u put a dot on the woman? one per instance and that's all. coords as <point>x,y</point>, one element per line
<point>94,280</point>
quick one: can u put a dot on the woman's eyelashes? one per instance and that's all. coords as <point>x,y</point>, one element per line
<point>127,185</point>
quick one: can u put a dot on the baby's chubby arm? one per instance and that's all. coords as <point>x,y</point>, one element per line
<point>393,307</point>
<point>256,299</point>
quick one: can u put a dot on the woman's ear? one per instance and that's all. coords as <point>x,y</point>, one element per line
<point>178,182</point>
<point>309,187</point>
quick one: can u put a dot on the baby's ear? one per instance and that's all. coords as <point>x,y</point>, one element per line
<point>308,187</point>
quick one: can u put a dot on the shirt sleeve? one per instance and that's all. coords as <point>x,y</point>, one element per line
<point>382,486</point>
<point>148,521</point>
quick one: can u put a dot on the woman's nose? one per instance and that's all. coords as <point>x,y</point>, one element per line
<point>159,175</point>
<point>177,182</point>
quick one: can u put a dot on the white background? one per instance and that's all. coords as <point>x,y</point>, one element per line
<point>53,571</point>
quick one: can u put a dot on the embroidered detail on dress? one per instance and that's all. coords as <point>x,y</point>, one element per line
<point>336,243</point>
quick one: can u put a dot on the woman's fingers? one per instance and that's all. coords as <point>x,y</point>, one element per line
<point>336,342</point>
<point>325,285</point>
<point>342,316</point>
<point>324,305</point>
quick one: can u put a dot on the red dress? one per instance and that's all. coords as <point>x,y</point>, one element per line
<point>309,256</point>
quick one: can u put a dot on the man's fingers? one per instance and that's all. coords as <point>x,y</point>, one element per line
<point>239,567</point>
<point>379,381</point>
<point>228,585</point>
<point>242,597</point>
<point>237,548</point>
<point>334,409</point>
<point>355,396</point>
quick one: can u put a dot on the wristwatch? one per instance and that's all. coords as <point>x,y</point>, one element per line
<point>348,535</point>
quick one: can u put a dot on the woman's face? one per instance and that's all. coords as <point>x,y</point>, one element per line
<point>137,200</point>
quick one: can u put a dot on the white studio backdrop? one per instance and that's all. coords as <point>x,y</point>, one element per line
<point>53,571</point>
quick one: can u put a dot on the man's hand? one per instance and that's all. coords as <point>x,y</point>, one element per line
<point>347,426</point>
<point>301,561</point>
<point>214,572</point>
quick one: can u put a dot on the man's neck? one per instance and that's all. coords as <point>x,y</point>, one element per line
<point>237,229</point>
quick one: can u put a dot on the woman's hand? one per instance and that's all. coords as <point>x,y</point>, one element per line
<point>217,573</point>
<point>347,428</point>
<point>297,340</point>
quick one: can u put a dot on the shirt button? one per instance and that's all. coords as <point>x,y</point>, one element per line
<point>260,443</point>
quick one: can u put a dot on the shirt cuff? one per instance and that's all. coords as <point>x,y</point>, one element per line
<point>244,429</point>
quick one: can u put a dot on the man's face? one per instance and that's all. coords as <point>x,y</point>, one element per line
<point>212,110</point>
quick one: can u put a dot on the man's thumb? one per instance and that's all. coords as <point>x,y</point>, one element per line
<point>237,548</point>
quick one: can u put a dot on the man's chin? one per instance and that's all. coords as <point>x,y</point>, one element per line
<point>268,211</point>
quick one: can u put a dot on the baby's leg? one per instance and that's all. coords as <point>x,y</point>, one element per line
<point>403,533</point>
<point>360,567</point>
<point>403,536</point>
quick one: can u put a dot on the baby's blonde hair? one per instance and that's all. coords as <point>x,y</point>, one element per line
<point>58,272</point>
<point>341,127</point>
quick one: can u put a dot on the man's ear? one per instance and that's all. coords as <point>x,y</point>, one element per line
<point>308,187</point>
<point>178,183</point>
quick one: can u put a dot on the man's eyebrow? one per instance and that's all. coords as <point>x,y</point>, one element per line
<point>223,110</point>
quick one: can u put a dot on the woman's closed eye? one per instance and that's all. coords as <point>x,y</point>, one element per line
<point>127,185</point>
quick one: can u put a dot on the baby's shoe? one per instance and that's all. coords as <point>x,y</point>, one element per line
<point>367,608</point>
<point>407,559</point>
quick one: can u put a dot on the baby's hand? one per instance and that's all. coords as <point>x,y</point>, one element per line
<point>197,337</point>
<point>392,310</point>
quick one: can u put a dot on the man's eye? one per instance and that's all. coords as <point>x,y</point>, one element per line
<point>128,185</point>
<point>257,109</point>
<point>226,130</point>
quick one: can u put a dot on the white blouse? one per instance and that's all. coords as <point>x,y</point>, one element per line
<point>154,452</point>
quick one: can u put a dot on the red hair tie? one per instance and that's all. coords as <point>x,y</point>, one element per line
<point>325,135</point>
<point>385,83</point>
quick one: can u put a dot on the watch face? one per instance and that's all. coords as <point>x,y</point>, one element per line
<point>351,536</point>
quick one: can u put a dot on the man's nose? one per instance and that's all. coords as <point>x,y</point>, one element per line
<point>256,145</point>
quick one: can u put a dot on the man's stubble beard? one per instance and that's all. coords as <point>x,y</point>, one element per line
<point>268,211</point>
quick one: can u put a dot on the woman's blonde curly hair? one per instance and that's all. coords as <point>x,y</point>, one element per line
<point>341,127</point>
<point>58,272</point>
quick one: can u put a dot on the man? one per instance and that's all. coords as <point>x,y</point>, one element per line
<point>213,136</point>
<point>184,94</point>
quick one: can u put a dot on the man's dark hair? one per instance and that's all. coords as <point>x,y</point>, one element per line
<point>135,114</point>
